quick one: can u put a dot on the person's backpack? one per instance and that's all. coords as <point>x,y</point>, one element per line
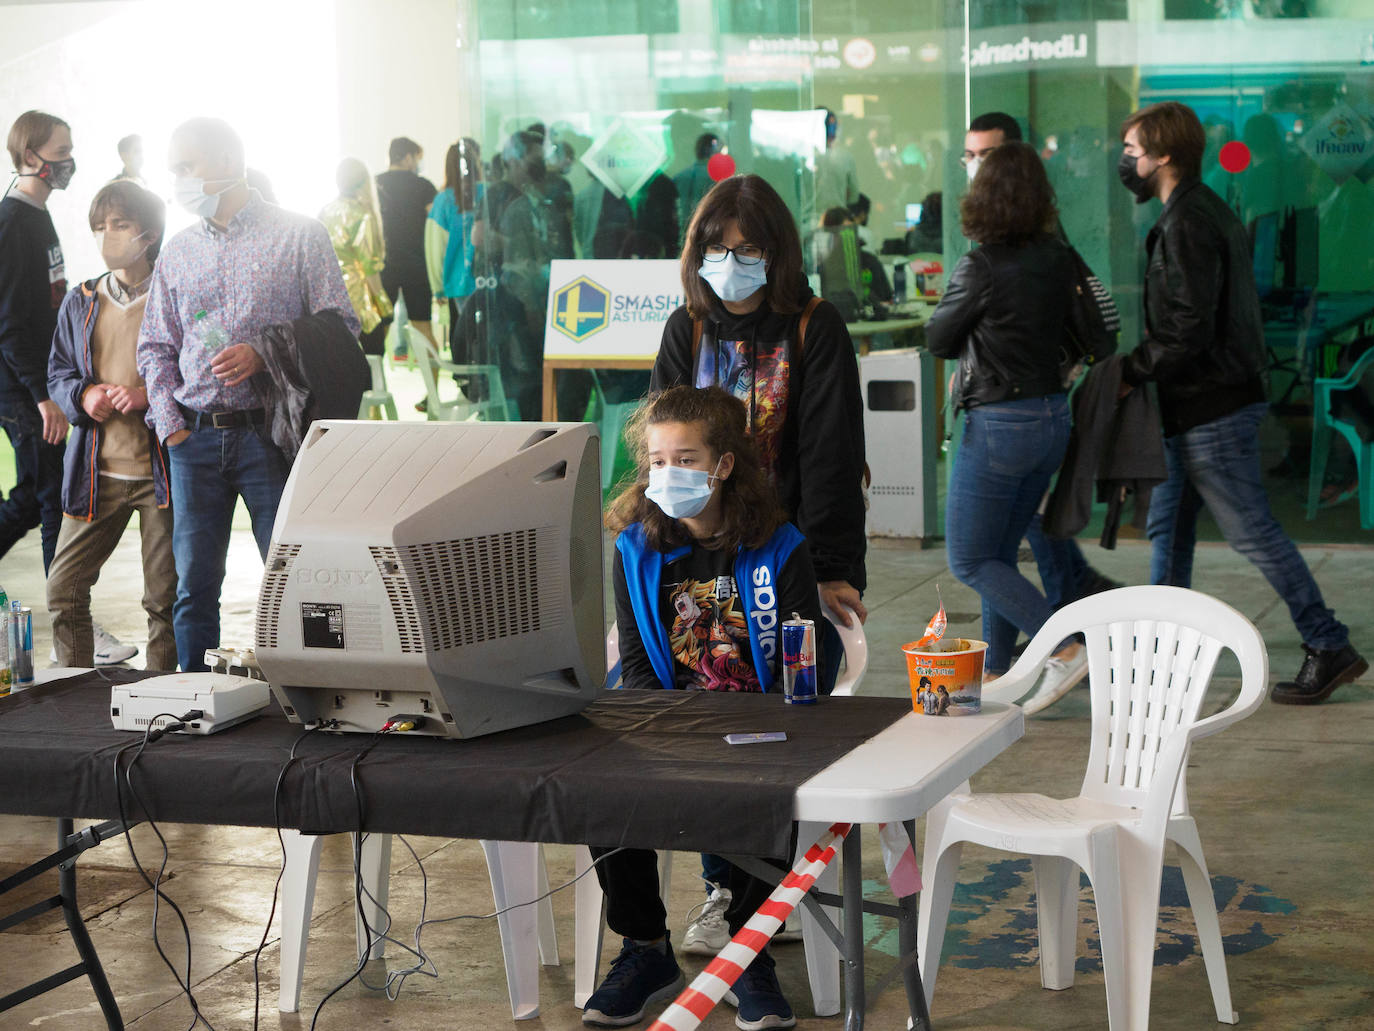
<point>1094,322</point>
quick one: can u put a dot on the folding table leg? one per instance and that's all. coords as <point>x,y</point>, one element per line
<point>95,973</point>
<point>852,874</point>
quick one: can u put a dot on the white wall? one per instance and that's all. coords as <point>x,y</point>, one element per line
<point>400,74</point>
<point>305,82</point>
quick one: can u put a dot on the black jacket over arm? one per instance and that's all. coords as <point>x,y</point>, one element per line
<point>1003,316</point>
<point>821,462</point>
<point>1115,447</point>
<point>1204,336</point>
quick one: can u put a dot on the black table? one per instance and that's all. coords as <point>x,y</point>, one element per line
<point>637,769</point>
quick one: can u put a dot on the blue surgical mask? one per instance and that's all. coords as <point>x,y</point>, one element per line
<point>681,492</point>
<point>189,191</point>
<point>732,281</point>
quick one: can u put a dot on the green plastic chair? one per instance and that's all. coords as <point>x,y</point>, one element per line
<point>377,397</point>
<point>616,460</point>
<point>494,408</point>
<point>1323,425</point>
<point>400,317</point>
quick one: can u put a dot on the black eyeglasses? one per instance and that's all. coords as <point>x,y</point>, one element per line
<point>745,253</point>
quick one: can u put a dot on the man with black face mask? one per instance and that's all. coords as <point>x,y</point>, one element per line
<point>1204,349</point>
<point>33,282</point>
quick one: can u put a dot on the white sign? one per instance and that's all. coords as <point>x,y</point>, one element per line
<point>609,309</point>
<point>1340,143</point>
<point>625,158</point>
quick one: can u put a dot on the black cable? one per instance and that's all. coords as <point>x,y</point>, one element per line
<point>150,734</point>
<point>398,977</point>
<point>276,887</point>
<point>357,877</point>
<point>359,890</point>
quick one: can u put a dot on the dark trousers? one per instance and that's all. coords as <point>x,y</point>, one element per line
<point>36,498</point>
<point>634,907</point>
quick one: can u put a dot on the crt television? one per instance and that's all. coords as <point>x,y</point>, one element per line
<point>447,571</point>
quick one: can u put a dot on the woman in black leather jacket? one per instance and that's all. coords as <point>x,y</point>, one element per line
<point>1003,317</point>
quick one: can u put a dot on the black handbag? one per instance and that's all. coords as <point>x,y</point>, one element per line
<point>1093,322</point>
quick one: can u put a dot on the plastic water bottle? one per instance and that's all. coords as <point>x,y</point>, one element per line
<point>213,337</point>
<point>5,675</point>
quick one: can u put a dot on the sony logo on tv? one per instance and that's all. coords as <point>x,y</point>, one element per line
<point>334,577</point>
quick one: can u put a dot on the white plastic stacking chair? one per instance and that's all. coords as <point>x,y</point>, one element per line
<point>517,873</point>
<point>1151,652</point>
<point>822,957</point>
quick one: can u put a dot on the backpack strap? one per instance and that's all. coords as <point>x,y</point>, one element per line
<point>811,306</point>
<point>696,345</point>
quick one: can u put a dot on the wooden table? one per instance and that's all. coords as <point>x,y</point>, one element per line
<point>552,365</point>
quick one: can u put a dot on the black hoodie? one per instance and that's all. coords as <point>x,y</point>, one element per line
<point>816,455</point>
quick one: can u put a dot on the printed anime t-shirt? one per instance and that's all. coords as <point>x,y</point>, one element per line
<point>708,634</point>
<point>760,384</point>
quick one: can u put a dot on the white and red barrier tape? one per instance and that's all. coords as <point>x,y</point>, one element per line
<point>689,1009</point>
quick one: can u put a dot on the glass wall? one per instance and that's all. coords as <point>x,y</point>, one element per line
<point>1285,90</point>
<point>619,94</point>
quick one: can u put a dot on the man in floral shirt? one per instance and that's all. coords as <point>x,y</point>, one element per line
<point>244,266</point>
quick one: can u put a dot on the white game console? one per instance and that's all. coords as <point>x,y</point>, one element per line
<point>222,699</point>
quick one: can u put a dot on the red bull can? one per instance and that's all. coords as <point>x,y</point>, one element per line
<point>799,661</point>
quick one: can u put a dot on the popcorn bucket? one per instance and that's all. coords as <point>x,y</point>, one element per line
<point>946,676</point>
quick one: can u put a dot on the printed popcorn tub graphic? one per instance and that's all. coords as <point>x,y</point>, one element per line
<point>946,676</point>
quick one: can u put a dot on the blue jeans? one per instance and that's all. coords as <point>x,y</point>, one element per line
<point>1060,561</point>
<point>1218,465</point>
<point>36,497</point>
<point>1005,461</point>
<point>210,469</point>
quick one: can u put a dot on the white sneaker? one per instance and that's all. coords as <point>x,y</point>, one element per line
<point>109,649</point>
<point>708,933</point>
<point>1056,681</point>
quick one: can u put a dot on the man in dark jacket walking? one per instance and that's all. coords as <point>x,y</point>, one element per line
<point>1204,348</point>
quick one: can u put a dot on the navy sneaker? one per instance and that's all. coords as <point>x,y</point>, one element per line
<point>759,999</point>
<point>640,975</point>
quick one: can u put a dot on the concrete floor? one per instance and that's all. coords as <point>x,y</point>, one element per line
<point>1283,801</point>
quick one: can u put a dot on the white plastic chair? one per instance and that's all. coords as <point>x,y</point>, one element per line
<point>1151,652</point>
<point>517,873</point>
<point>822,957</point>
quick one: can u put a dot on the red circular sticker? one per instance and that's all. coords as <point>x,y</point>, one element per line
<point>1235,156</point>
<point>720,166</point>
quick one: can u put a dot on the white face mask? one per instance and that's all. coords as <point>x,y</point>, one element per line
<point>189,191</point>
<point>118,251</point>
<point>681,492</point>
<point>972,167</point>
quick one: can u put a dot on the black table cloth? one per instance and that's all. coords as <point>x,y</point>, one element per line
<point>642,769</point>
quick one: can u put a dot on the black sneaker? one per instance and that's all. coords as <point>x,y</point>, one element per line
<point>640,975</point>
<point>1322,672</point>
<point>758,998</point>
